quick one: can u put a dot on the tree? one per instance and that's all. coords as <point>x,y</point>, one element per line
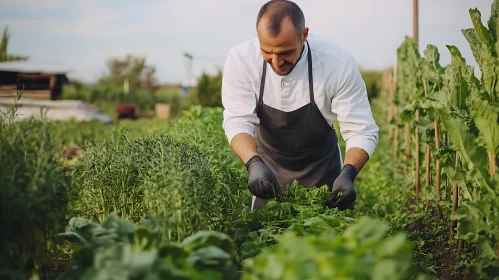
<point>209,90</point>
<point>134,69</point>
<point>3,45</point>
<point>4,56</point>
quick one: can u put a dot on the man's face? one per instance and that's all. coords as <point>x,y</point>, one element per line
<point>283,51</point>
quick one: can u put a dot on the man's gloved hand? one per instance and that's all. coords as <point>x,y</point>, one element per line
<point>262,182</point>
<point>343,193</point>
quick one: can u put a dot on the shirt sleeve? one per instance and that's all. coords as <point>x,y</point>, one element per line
<point>238,100</point>
<point>351,105</point>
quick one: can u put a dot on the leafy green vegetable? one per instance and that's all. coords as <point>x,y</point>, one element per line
<point>361,252</point>
<point>304,211</point>
<point>119,249</point>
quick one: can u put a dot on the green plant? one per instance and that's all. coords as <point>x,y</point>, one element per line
<point>161,175</point>
<point>4,56</point>
<point>362,251</point>
<point>209,90</point>
<point>33,196</point>
<point>373,80</point>
<point>119,249</point>
<point>303,211</point>
<point>455,115</point>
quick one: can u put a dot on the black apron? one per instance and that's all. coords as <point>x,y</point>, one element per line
<point>298,145</point>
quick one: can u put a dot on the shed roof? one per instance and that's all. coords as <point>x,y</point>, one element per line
<point>32,66</point>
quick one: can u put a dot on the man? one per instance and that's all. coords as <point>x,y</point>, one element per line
<point>313,83</point>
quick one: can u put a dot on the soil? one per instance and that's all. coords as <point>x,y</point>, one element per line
<point>437,252</point>
<point>60,263</point>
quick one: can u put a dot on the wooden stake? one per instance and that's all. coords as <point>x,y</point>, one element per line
<point>437,179</point>
<point>455,198</point>
<point>395,143</point>
<point>455,194</point>
<point>407,139</point>
<point>394,114</point>
<point>418,181</point>
<point>492,164</point>
<point>428,176</point>
<point>389,86</point>
<point>427,157</point>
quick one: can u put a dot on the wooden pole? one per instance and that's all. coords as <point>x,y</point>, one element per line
<point>394,114</point>
<point>388,81</point>
<point>395,143</point>
<point>418,181</point>
<point>407,140</point>
<point>428,176</point>
<point>427,157</point>
<point>437,179</point>
<point>455,199</point>
<point>492,164</point>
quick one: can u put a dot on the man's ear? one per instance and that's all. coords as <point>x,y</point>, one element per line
<point>304,35</point>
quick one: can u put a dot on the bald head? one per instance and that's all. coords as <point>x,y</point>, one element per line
<point>274,12</point>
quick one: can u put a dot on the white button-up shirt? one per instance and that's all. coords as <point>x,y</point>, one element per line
<point>339,91</point>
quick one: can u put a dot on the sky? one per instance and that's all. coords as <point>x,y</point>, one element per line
<point>83,35</point>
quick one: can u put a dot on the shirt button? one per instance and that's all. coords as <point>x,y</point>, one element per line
<point>282,84</point>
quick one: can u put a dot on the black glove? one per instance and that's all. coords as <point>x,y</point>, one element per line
<point>262,182</point>
<point>343,188</point>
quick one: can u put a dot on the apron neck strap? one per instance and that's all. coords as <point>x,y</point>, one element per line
<point>310,78</point>
<point>262,84</point>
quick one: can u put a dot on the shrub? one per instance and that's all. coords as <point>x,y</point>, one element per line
<point>33,196</point>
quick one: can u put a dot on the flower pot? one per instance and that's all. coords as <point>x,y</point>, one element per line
<point>126,111</point>
<point>163,110</point>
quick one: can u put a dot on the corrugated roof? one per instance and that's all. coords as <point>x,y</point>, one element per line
<point>31,66</point>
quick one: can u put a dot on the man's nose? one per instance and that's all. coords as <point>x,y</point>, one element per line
<point>277,61</point>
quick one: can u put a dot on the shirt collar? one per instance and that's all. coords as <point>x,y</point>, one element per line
<point>302,61</point>
<point>303,56</point>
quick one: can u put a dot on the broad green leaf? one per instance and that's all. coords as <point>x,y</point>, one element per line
<point>93,235</point>
<point>484,46</point>
<point>122,227</point>
<point>396,245</point>
<point>461,79</point>
<point>424,103</point>
<point>474,43</point>
<point>468,228</point>
<point>483,34</point>
<point>367,230</point>
<point>492,22</point>
<point>485,250</point>
<point>240,233</point>
<point>203,239</point>
<point>385,269</point>
<point>459,214</point>
<point>431,69</point>
<point>146,238</point>
<point>487,122</point>
<point>408,71</point>
<point>208,257</point>
<point>332,221</point>
<point>171,250</point>
<point>473,154</point>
